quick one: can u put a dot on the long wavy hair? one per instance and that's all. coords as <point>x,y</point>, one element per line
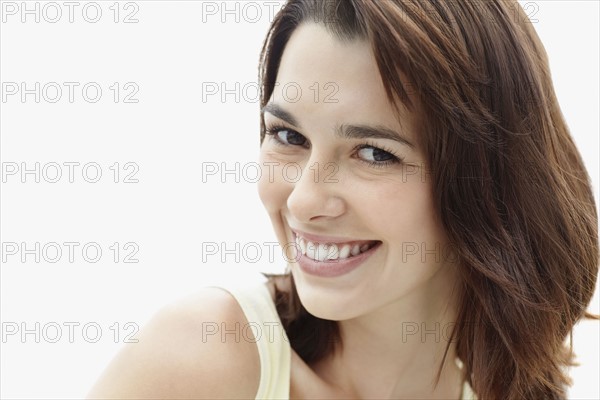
<point>511,188</point>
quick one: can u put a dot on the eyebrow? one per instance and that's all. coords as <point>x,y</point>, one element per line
<point>344,131</point>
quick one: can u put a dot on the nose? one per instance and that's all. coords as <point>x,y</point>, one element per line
<point>316,194</point>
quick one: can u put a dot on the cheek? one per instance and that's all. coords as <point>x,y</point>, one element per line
<point>404,212</point>
<point>419,236</point>
<point>273,192</point>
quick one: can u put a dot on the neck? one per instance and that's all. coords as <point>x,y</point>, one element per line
<point>397,350</point>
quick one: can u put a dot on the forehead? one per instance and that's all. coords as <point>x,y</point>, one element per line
<point>333,81</point>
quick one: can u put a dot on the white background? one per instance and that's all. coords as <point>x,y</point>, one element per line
<point>168,134</point>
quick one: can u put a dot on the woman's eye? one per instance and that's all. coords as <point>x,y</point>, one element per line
<point>286,137</point>
<point>377,157</point>
<point>368,153</point>
<point>373,154</point>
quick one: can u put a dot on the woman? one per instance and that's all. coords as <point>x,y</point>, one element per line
<point>444,227</point>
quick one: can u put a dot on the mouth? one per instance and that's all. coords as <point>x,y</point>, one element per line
<point>329,260</point>
<point>329,252</point>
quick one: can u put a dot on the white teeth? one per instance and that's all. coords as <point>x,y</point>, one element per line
<point>345,252</point>
<point>316,251</point>
<point>333,252</point>
<point>311,250</point>
<point>301,244</point>
<point>322,252</point>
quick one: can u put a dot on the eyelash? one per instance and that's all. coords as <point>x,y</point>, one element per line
<point>274,129</point>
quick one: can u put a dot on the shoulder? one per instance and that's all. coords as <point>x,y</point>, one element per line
<point>182,352</point>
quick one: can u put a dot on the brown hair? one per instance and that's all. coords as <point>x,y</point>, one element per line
<point>509,184</point>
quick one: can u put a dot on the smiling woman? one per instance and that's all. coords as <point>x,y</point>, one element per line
<point>468,182</point>
<point>441,233</point>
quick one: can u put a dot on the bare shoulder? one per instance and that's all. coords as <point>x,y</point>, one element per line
<point>181,353</point>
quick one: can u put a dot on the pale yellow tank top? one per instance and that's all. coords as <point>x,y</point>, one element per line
<point>273,345</point>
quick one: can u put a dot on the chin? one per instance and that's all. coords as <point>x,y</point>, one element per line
<point>322,301</point>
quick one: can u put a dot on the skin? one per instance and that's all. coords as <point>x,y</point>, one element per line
<point>393,292</point>
<point>171,360</point>
<point>377,305</point>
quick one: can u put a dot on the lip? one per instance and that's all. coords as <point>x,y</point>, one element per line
<point>325,239</point>
<point>337,267</point>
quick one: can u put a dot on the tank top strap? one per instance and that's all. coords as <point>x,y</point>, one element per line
<point>264,327</point>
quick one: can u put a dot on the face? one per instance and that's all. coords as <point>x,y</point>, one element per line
<point>354,188</point>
